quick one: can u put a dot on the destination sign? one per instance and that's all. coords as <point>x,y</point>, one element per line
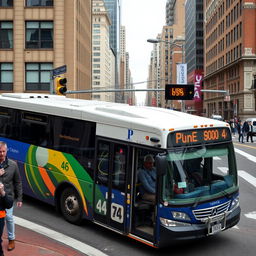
<point>200,136</point>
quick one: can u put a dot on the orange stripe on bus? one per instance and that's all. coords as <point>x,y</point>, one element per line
<point>144,242</point>
<point>47,180</point>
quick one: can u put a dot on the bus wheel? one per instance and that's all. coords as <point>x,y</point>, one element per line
<point>71,206</point>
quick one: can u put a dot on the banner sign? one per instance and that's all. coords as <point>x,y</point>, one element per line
<point>182,73</point>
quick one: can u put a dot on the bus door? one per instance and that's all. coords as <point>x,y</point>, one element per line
<point>110,184</point>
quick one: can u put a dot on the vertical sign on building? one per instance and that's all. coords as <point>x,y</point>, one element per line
<point>198,80</point>
<point>182,73</point>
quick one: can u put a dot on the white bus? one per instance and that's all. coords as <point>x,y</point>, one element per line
<point>84,156</point>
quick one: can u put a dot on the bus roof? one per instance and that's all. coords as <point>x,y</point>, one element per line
<point>122,115</point>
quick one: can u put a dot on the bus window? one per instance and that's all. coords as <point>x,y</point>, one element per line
<point>103,163</point>
<point>33,129</point>
<point>75,137</point>
<point>119,171</point>
<point>195,172</point>
<point>7,123</point>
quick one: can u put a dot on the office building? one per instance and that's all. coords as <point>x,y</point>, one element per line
<point>103,59</point>
<point>38,36</point>
<point>230,57</point>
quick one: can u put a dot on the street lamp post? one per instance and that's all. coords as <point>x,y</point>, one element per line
<point>155,41</point>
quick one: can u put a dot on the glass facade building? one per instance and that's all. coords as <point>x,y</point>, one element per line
<point>194,35</point>
<point>113,7</point>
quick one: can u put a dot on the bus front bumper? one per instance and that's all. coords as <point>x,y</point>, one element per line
<point>193,231</point>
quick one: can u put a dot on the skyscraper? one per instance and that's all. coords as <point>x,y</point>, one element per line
<point>102,56</point>
<point>113,7</point>
<point>194,52</point>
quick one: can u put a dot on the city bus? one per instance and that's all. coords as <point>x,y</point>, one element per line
<point>83,157</point>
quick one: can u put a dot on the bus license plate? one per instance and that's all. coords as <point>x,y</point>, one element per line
<point>216,228</point>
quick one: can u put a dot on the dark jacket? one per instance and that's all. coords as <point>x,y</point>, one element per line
<point>240,129</point>
<point>12,180</point>
<point>6,202</point>
<point>246,127</point>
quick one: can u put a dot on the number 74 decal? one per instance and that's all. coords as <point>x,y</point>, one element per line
<point>117,210</point>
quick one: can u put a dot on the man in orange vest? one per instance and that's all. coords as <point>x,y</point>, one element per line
<point>10,177</point>
<point>5,202</point>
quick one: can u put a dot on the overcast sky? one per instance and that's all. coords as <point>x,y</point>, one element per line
<point>143,19</point>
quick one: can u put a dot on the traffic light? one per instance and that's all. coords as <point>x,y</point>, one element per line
<point>179,91</point>
<point>61,86</point>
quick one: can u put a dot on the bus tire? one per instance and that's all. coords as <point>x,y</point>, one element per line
<point>71,205</point>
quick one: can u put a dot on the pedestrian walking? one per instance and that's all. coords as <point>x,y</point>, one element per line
<point>246,128</point>
<point>10,177</point>
<point>232,126</point>
<point>250,132</point>
<point>240,129</point>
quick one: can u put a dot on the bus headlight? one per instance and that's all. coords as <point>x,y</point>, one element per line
<point>173,223</point>
<point>180,216</point>
<point>235,203</point>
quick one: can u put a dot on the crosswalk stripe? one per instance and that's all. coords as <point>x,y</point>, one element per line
<point>248,156</point>
<point>248,177</point>
<point>223,169</point>
<point>251,215</point>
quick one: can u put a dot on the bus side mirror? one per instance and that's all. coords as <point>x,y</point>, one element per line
<point>161,164</point>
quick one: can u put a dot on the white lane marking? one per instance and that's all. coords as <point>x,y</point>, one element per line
<point>248,177</point>
<point>248,156</point>
<point>79,246</point>
<point>235,227</point>
<point>216,158</point>
<point>251,215</point>
<point>223,169</point>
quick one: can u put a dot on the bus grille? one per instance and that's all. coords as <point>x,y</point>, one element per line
<point>204,214</point>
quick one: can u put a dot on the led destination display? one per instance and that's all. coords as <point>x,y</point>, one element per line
<point>199,136</point>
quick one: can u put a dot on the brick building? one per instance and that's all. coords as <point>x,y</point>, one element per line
<point>230,57</point>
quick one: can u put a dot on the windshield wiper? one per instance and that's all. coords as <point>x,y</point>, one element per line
<point>198,199</point>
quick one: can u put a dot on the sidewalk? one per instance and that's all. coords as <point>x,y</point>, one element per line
<point>30,243</point>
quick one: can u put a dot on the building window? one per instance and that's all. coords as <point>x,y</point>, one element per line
<point>6,3</point>
<point>39,34</point>
<point>39,2</point>
<point>6,76</point>
<point>38,76</point>
<point>6,35</point>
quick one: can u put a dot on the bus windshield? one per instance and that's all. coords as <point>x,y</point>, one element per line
<point>199,173</point>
